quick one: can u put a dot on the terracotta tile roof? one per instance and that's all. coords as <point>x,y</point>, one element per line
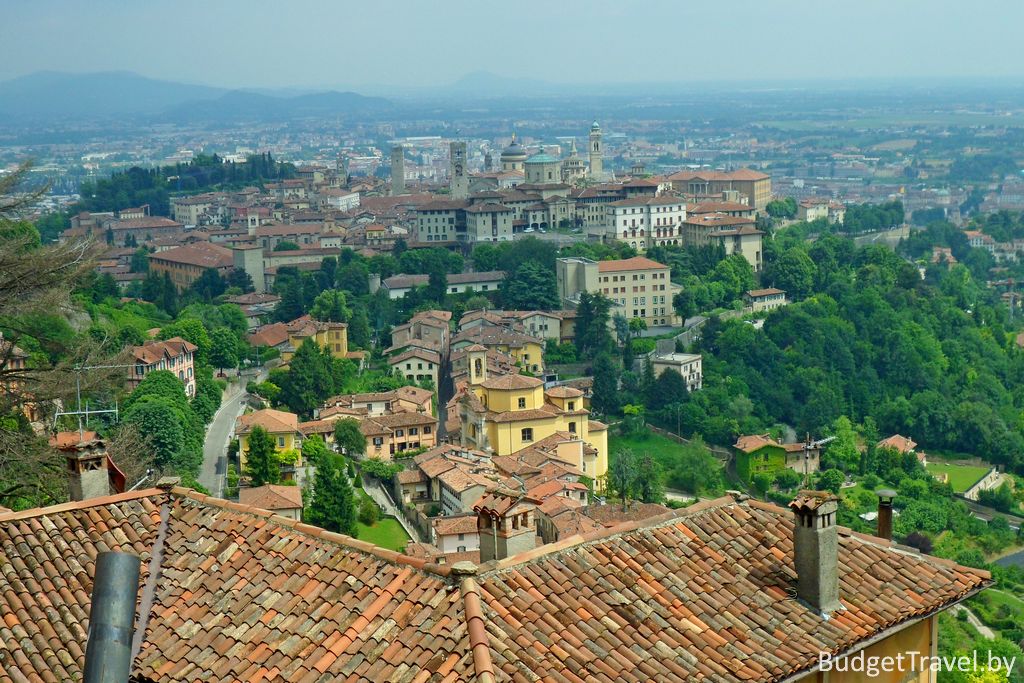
<point>274,421</point>
<point>154,351</point>
<point>271,497</point>
<point>901,443</point>
<point>422,354</point>
<point>614,514</point>
<point>563,392</point>
<point>635,263</point>
<point>512,382</point>
<point>200,254</point>
<point>242,594</point>
<point>749,443</point>
<point>269,335</point>
<point>754,293</point>
<point>456,524</point>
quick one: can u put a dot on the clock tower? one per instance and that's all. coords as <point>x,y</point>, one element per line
<point>596,153</point>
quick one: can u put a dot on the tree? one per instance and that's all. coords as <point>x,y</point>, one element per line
<point>309,379</point>
<point>530,286</point>
<point>314,449</point>
<point>223,348</point>
<point>606,384</point>
<point>285,245</point>
<point>831,480</point>
<point>592,318</point>
<point>240,279</point>
<point>794,272</point>
<point>359,335</point>
<point>622,475</point>
<point>349,438</point>
<point>437,287</point>
<point>293,303</point>
<point>260,464</point>
<point>191,330</point>
<point>685,304</point>
<point>669,388</point>
<point>333,505</point>
<point>159,419</point>
<point>209,285</point>
<point>650,485</point>
<point>368,512</point>
<point>331,305</point>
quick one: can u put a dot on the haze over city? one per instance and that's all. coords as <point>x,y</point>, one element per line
<point>320,44</point>
<point>443,342</point>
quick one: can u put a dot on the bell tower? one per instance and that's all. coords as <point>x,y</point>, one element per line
<point>459,178</point>
<point>596,152</point>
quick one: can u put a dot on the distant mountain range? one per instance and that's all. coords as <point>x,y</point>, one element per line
<point>49,95</point>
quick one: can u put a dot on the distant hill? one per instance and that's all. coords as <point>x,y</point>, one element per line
<point>52,94</point>
<point>244,105</point>
<point>49,95</point>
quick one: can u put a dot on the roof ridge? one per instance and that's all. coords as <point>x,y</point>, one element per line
<point>879,542</point>
<point>316,532</point>
<point>621,529</point>
<point>80,504</point>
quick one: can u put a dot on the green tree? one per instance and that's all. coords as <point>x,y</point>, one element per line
<point>191,330</point>
<point>530,286</point>
<point>223,348</point>
<point>622,475</point>
<point>209,285</point>
<point>606,384</point>
<point>359,335</point>
<point>650,481</point>
<point>368,512</point>
<point>794,272</point>
<point>349,438</point>
<point>333,506</point>
<point>309,380</point>
<point>331,305</point>
<point>437,287</point>
<point>285,245</point>
<point>314,449</point>
<point>831,480</point>
<point>260,464</point>
<point>669,388</point>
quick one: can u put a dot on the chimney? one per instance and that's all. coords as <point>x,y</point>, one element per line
<point>507,524</point>
<point>885,498</point>
<point>86,465</point>
<point>108,648</point>
<point>816,549</point>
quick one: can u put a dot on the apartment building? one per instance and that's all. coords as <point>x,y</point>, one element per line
<point>638,287</point>
<point>642,222</point>
<point>174,354</point>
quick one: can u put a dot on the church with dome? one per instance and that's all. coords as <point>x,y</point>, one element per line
<point>542,168</point>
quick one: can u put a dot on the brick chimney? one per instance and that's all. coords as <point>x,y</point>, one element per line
<point>816,549</point>
<point>86,459</point>
<point>885,498</point>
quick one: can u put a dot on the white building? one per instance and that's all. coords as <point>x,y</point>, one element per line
<point>642,222</point>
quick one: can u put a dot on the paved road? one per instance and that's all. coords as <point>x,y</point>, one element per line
<point>218,434</point>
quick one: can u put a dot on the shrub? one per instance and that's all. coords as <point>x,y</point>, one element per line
<point>368,512</point>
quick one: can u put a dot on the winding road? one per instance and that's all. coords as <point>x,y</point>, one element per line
<point>218,433</point>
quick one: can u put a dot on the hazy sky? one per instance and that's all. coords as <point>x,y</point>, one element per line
<point>304,43</point>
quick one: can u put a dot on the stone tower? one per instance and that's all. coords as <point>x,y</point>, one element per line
<point>459,181</point>
<point>249,257</point>
<point>476,356</point>
<point>487,162</point>
<point>87,469</point>
<point>507,524</point>
<point>816,549</point>
<point>596,152</point>
<point>397,170</point>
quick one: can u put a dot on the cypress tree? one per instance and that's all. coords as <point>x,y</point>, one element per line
<point>333,506</point>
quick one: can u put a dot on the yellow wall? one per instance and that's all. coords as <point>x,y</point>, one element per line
<point>335,341</point>
<point>502,400</point>
<point>288,439</point>
<point>915,638</point>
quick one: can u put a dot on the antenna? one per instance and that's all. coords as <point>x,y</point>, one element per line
<point>808,445</point>
<point>78,411</point>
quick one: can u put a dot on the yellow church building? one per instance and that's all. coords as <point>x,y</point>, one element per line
<point>506,414</point>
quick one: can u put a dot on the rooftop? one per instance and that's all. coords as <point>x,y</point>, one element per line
<point>238,593</point>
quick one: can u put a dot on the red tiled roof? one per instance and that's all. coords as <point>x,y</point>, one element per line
<point>242,594</point>
<point>635,263</point>
<point>271,497</point>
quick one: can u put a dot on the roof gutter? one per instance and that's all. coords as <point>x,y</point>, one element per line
<point>882,635</point>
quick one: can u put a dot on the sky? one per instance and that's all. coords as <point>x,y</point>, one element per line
<point>417,43</point>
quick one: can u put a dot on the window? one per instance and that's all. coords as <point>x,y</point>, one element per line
<point>426,430</point>
<point>413,431</point>
<point>527,434</point>
<point>462,537</point>
<point>399,432</point>
<point>572,427</point>
<point>572,405</point>
<point>280,442</point>
<point>378,441</point>
<point>522,402</point>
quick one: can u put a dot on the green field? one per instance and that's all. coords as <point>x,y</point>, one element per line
<point>962,477</point>
<point>386,533</point>
<point>663,449</point>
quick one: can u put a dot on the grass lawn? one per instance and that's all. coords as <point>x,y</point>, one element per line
<point>386,533</point>
<point>663,449</point>
<point>962,477</point>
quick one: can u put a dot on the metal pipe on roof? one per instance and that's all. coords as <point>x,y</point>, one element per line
<point>108,650</point>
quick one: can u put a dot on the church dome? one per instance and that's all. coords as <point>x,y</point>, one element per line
<point>595,126</point>
<point>514,152</point>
